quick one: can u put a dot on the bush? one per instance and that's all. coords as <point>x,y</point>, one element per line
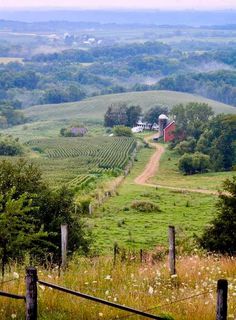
<point>145,206</point>
<point>194,163</point>
<point>10,146</point>
<point>220,236</point>
<point>122,131</point>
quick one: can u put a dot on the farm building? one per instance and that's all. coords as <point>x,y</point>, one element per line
<point>163,122</point>
<point>147,125</point>
<point>169,132</point>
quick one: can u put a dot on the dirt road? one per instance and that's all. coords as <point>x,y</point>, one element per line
<point>152,168</point>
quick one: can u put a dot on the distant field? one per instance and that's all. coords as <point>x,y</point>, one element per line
<point>6,60</point>
<point>94,108</point>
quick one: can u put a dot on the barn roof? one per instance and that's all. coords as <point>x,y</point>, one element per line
<point>170,124</point>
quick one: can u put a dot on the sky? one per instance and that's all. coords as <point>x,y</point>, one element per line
<point>125,4</point>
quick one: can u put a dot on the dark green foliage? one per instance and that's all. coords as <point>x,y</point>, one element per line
<point>145,206</point>
<point>10,146</point>
<point>122,131</point>
<point>218,140</point>
<point>186,146</point>
<point>10,117</point>
<point>44,209</point>
<point>152,114</point>
<point>121,114</point>
<point>220,236</point>
<point>191,119</point>
<point>194,163</point>
<point>18,227</point>
<point>219,85</point>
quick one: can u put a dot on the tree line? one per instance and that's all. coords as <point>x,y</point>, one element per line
<point>204,141</point>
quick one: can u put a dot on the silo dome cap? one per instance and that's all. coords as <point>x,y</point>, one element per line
<point>163,117</point>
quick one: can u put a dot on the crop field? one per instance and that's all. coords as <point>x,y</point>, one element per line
<point>79,161</point>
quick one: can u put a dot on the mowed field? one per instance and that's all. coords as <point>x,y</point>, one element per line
<point>95,108</point>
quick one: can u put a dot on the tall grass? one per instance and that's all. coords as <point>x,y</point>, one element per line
<point>140,285</point>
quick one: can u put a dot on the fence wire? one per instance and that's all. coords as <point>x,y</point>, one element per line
<point>164,305</point>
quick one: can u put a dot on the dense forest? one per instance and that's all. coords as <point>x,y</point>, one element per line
<point>74,74</point>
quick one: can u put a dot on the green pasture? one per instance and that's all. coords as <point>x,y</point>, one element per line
<point>95,108</point>
<point>169,175</point>
<point>117,222</point>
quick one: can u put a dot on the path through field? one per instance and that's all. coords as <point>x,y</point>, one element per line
<point>153,166</point>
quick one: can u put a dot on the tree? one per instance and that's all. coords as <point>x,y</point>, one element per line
<point>10,146</point>
<point>46,210</point>
<point>218,140</point>
<point>122,131</point>
<point>153,114</point>
<point>18,230</point>
<point>194,163</point>
<point>116,115</point>
<point>133,114</point>
<point>220,236</point>
<point>191,119</point>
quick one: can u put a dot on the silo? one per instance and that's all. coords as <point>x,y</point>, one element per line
<point>162,121</point>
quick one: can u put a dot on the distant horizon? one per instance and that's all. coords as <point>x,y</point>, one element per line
<point>167,5</point>
<point>126,9</point>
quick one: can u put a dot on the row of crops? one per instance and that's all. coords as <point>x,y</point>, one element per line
<point>94,156</point>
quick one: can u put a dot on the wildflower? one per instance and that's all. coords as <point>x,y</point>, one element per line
<point>150,290</point>
<point>108,277</point>
<point>13,316</point>
<point>174,276</point>
<point>107,293</point>
<point>100,314</point>
<point>16,275</point>
<point>42,287</point>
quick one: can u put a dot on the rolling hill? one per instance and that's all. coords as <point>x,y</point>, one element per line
<point>94,108</point>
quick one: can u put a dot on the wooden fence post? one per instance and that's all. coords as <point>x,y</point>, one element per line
<point>31,293</point>
<point>222,292</point>
<point>64,245</point>
<point>115,252</point>
<point>172,250</point>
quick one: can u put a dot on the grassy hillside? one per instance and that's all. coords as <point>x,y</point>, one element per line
<point>117,221</point>
<point>94,108</point>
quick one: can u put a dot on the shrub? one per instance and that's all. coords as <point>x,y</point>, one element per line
<point>122,131</point>
<point>145,206</point>
<point>220,236</point>
<point>10,146</point>
<point>194,163</point>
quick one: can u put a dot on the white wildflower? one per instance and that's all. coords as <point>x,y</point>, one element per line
<point>16,275</point>
<point>42,287</point>
<point>150,290</point>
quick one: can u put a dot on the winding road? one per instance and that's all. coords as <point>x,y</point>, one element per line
<point>152,168</point>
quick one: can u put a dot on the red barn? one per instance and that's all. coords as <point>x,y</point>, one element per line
<point>169,132</point>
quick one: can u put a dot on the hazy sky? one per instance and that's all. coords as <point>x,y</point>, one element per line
<point>132,4</point>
